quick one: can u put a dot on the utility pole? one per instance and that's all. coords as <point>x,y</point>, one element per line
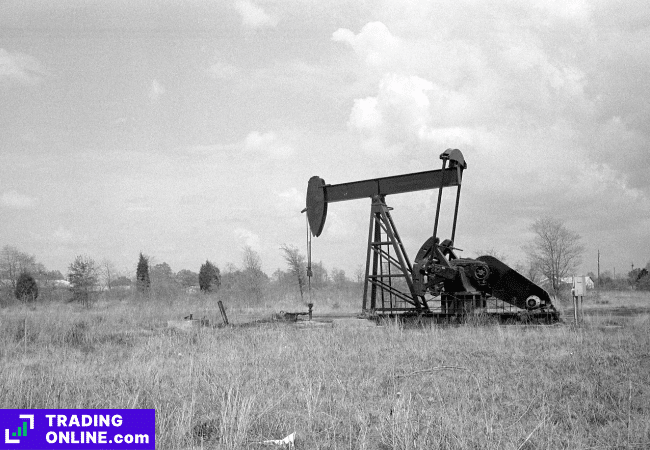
<point>599,268</point>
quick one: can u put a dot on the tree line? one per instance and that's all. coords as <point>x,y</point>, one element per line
<point>21,276</point>
<point>554,253</point>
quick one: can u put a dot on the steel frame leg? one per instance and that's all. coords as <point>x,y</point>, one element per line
<point>391,253</point>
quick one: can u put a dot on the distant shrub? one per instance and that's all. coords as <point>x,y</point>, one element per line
<point>187,278</point>
<point>164,285</point>
<point>82,276</point>
<point>209,277</point>
<point>644,283</point>
<point>26,288</point>
<point>142,275</point>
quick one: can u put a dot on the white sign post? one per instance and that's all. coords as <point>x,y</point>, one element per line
<point>578,291</point>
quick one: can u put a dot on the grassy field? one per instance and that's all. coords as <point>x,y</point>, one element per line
<point>388,387</point>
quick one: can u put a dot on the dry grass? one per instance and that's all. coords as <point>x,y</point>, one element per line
<point>617,299</point>
<point>482,387</point>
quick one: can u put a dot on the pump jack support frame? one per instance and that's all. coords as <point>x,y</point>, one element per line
<point>387,267</point>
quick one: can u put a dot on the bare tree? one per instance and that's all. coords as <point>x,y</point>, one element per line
<point>253,278</point>
<point>320,276</point>
<point>252,261</point>
<point>555,251</point>
<point>296,263</point>
<point>108,273</point>
<point>13,262</point>
<point>360,273</point>
<point>529,269</point>
<point>338,278</point>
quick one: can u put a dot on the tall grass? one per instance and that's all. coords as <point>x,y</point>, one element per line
<point>426,387</point>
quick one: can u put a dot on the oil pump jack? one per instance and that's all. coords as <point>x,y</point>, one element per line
<point>438,283</point>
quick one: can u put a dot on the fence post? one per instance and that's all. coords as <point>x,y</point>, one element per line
<point>223,312</point>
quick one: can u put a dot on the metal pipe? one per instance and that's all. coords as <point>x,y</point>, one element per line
<point>442,184</point>
<point>368,255</point>
<point>453,228</point>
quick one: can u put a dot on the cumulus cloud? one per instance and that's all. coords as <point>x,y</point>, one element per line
<point>16,200</point>
<point>291,199</point>
<point>550,121</point>
<point>254,16</point>
<point>21,68</point>
<point>156,90</point>
<point>374,44</point>
<point>266,144</point>
<point>398,115</point>
<point>248,238</point>
<point>434,89</point>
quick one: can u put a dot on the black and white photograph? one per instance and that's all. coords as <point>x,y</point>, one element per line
<point>354,224</point>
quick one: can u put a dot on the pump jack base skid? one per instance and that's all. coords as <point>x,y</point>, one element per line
<point>429,317</point>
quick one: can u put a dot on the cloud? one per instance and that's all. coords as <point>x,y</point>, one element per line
<point>21,68</point>
<point>551,122</point>
<point>63,236</point>
<point>266,143</point>
<point>223,71</point>
<point>254,16</point>
<point>574,10</point>
<point>289,202</point>
<point>248,238</point>
<point>339,227</point>
<point>13,199</point>
<point>156,90</point>
<point>374,44</point>
<point>397,116</point>
<point>623,147</point>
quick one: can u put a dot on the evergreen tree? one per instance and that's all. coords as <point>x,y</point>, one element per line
<point>209,277</point>
<point>142,275</point>
<point>83,279</point>
<point>26,288</point>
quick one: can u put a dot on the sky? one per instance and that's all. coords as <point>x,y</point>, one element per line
<point>187,130</point>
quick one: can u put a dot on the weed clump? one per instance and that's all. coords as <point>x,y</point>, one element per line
<point>206,431</point>
<point>76,336</point>
<point>19,334</point>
